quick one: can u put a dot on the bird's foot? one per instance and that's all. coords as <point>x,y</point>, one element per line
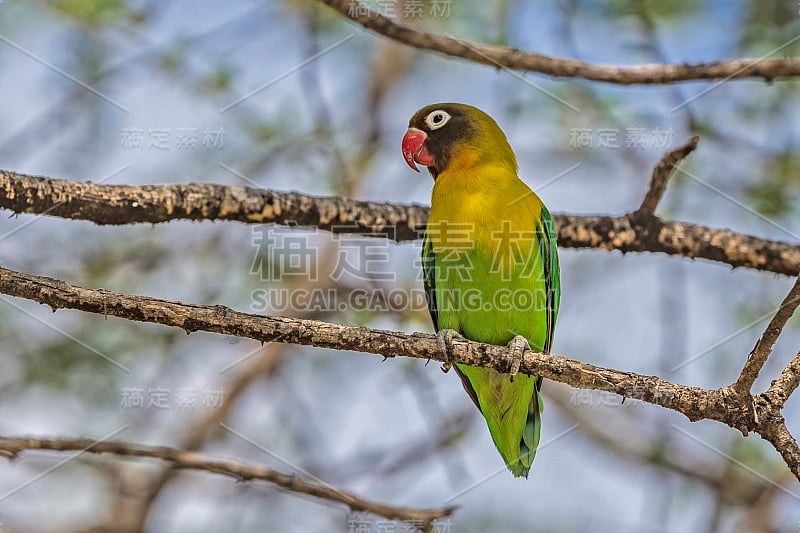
<point>444,339</point>
<point>516,348</point>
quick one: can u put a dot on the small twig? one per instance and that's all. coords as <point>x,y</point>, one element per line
<point>768,69</point>
<point>787,382</point>
<point>763,348</point>
<point>662,172</point>
<point>240,471</point>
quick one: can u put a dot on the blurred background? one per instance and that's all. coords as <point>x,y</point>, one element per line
<point>288,95</point>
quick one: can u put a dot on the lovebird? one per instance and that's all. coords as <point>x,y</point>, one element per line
<point>490,265</point>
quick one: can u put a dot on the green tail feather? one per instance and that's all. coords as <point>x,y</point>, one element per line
<point>512,412</point>
<point>530,435</point>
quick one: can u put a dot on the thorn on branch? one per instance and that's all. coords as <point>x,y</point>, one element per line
<point>8,454</point>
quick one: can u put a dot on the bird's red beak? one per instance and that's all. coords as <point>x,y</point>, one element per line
<point>414,149</point>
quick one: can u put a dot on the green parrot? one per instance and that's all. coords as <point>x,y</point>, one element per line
<point>490,265</point>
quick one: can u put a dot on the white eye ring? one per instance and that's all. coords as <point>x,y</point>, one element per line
<point>437,119</point>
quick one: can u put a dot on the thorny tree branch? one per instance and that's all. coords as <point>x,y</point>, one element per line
<point>197,461</point>
<point>639,231</point>
<point>741,411</point>
<point>768,69</point>
<point>131,204</point>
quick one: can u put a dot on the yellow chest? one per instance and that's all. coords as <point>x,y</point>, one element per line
<point>474,208</point>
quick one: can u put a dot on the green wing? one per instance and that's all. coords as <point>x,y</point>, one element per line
<point>429,278</point>
<point>548,244</point>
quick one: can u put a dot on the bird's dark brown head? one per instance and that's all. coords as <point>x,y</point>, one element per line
<point>441,135</point>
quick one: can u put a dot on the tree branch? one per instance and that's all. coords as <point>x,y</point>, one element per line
<point>693,402</point>
<point>776,432</point>
<point>694,241</point>
<point>662,172</point>
<point>768,69</point>
<point>763,348</point>
<point>129,204</point>
<point>197,461</point>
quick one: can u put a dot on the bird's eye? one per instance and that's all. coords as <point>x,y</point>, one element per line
<point>437,119</point>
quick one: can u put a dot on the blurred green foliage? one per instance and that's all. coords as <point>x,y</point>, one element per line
<point>776,192</point>
<point>97,14</point>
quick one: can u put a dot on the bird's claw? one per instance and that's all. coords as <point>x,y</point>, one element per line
<point>444,340</point>
<point>516,348</point>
